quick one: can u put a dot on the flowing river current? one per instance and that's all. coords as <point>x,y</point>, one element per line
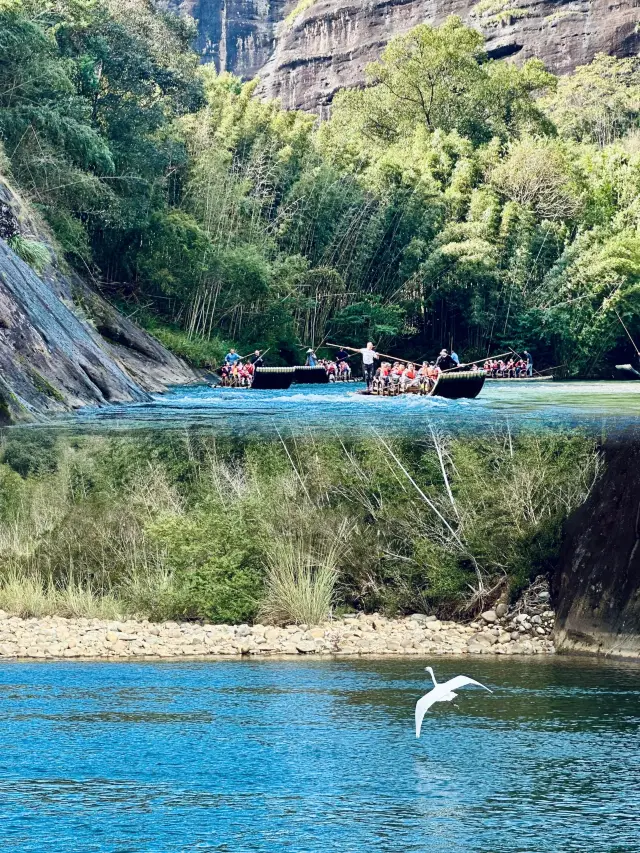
<point>605,407</point>
<point>315,756</point>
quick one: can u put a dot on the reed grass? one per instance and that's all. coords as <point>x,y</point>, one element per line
<point>28,597</point>
<point>301,578</point>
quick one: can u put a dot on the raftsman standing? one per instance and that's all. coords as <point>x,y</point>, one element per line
<point>369,355</point>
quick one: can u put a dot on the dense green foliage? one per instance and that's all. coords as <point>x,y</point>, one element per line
<point>186,526</point>
<point>88,95</point>
<point>454,200</point>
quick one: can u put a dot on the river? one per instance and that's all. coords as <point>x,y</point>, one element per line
<point>603,407</point>
<point>311,756</point>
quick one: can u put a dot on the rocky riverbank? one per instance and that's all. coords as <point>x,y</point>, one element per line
<point>496,632</point>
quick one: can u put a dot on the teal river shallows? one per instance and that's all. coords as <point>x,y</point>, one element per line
<point>316,756</point>
<point>609,407</point>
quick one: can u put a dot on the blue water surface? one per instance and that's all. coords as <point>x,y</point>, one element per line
<point>316,756</point>
<point>600,407</point>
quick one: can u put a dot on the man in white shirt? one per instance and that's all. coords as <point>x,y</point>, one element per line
<point>368,356</point>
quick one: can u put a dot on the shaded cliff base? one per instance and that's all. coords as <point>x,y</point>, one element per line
<point>596,587</point>
<point>61,345</point>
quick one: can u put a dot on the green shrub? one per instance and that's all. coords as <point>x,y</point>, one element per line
<point>213,558</point>
<point>32,252</point>
<point>31,453</point>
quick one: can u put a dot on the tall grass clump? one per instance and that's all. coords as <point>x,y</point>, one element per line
<point>25,596</point>
<point>301,577</point>
<point>33,252</point>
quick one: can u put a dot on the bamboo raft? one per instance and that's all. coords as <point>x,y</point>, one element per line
<point>310,375</point>
<point>273,378</point>
<point>519,378</point>
<point>451,386</point>
<point>281,378</point>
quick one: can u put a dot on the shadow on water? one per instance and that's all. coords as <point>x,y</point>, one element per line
<point>315,755</point>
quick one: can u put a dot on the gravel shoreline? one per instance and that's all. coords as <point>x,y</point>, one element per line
<point>494,633</point>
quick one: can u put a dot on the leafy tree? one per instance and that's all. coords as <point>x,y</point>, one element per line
<point>537,173</point>
<point>439,77</point>
<point>599,102</point>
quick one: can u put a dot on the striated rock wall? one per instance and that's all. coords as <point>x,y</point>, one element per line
<point>596,589</point>
<point>61,345</point>
<point>236,35</point>
<point>327,45</point>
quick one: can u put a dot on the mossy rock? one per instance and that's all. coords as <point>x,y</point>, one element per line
<point>44,386</point>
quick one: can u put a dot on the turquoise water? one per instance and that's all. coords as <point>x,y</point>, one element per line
<point>611,407</point>
<point>317,756</point>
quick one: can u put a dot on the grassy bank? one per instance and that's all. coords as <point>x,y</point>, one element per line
<point>178,526</point>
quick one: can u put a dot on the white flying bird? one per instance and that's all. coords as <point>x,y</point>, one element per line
<point>441,693</point>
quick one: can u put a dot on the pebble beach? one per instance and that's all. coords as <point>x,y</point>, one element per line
<point>495,632</point>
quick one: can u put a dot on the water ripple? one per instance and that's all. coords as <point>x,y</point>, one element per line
<point>612,407</point>
<point>316,756</point>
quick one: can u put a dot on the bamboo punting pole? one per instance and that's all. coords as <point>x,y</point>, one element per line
<point>628,333</point>
<point>242,358</point>
<point>469,363</point>
<point>380,354</point>
<point>547,369</point>
<point>515,352</point>
<point>407,361</point>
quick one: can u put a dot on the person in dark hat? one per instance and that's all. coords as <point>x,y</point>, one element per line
<point>444,361</point>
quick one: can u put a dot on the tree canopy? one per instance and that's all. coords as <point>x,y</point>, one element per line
<point>454,200</point>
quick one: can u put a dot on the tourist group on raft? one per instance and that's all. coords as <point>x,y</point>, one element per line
<point>387,377</point>
<point>236,371</point>
<point>514,368</point>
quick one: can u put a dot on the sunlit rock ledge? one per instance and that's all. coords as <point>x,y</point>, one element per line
<point>57,637</point>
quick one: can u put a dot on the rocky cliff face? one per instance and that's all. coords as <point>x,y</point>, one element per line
<point>329,45</point>
<point>596,589</point>
<point>236,35</point>
<point>61,345</point>
<point>304,58</point>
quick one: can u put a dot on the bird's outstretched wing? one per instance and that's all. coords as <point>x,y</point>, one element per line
<point>442,693</point>
<point>463,681</point>
<point>423,705</point>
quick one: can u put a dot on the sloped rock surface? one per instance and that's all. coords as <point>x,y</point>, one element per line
<point>56,355</point>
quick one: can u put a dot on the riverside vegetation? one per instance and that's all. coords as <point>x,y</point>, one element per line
<point>455,199</point>
<point>175,526</point>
